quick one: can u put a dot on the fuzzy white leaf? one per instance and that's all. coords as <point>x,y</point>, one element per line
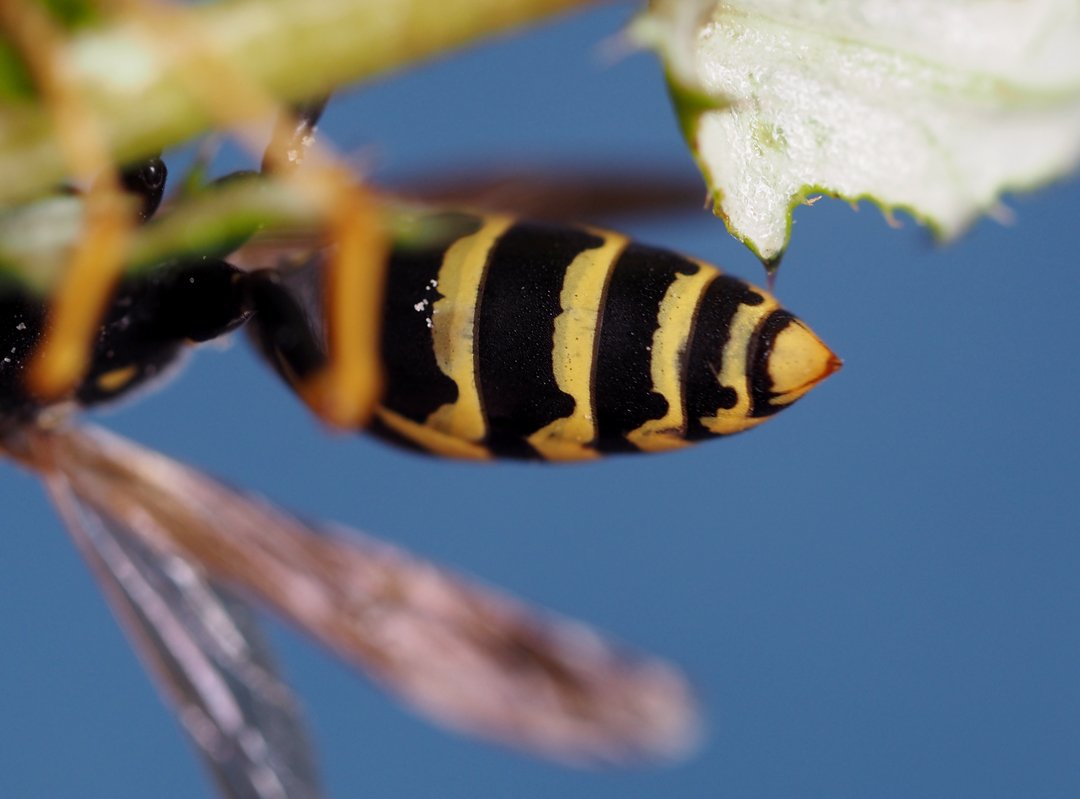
<point>932,106</point>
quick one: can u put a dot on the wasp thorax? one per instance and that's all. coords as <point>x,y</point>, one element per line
<point>149,319</point>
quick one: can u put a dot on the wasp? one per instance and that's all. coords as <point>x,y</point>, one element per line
<point>577,346</point>
<point>496,337</point>
<point>179,556</point>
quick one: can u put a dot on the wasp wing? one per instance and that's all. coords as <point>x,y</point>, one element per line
<point>206,651</point>
<point>464,655</point>
<point>559,194</point>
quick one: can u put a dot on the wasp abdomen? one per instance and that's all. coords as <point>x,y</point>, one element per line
<point>511,339</point>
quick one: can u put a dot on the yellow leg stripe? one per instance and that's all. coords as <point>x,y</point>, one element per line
<point>574,351</point>
<point>430,439</point>
<point>352,381</point>
<point>345,391</point>
<point>733,369</point>
<point>453,325</point>
<point>82,296</point>
<point>97,259</point>
<point>676,320</point>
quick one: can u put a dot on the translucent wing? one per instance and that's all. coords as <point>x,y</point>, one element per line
<point>465,655</point>
<point>557,194</point>
<point>206,652</point>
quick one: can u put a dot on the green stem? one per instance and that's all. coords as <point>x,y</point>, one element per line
<point>295,49</point>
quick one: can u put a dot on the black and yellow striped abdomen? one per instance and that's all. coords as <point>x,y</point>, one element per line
<point>509,339</point>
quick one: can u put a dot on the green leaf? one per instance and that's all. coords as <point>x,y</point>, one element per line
<point>932,107</point>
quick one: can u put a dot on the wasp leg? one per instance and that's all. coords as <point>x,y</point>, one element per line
<point>345,391</point>
<point>97,258</point>
<point>294,135</point>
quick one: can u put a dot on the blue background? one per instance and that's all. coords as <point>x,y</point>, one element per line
<point>876,594</point>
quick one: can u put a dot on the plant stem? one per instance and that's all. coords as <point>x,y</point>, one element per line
<point>292,49</point>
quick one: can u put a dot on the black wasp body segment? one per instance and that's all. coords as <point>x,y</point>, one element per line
<point>149,320</point>
<point>509,339</point>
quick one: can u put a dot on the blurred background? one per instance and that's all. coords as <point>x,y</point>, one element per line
<point>875,594</point>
